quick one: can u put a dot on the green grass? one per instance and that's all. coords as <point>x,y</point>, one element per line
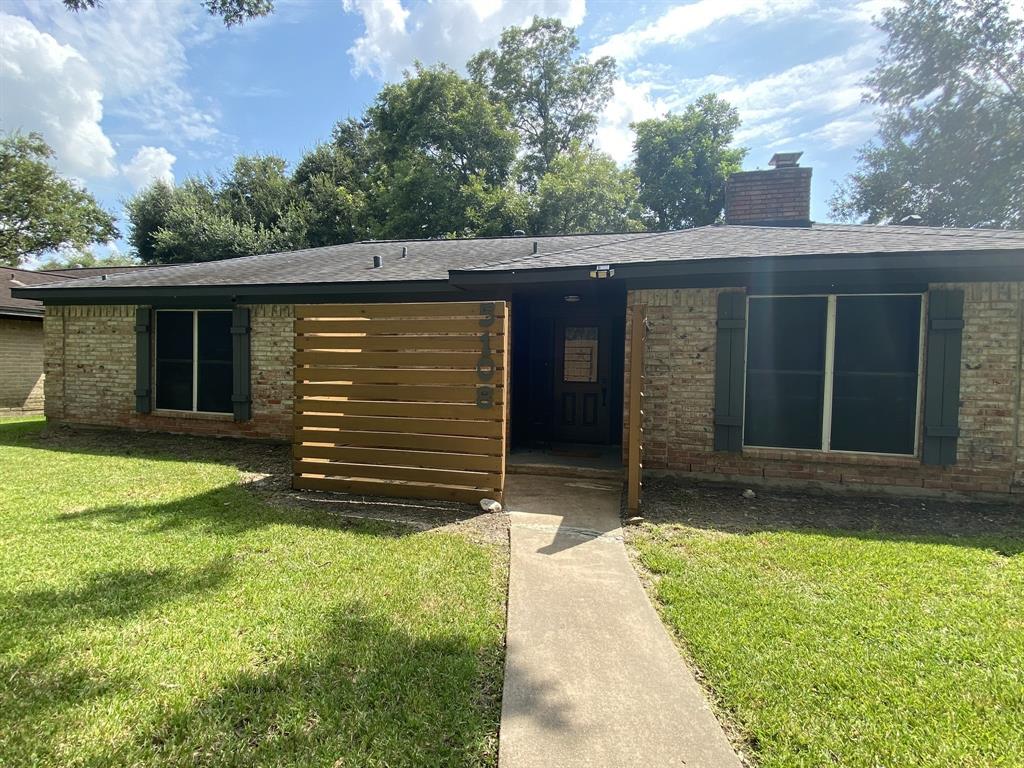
<point>155,612</point>
<point>831,647</point>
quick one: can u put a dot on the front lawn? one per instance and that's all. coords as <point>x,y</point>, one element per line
<point>153,611</point>
<point>847,632</point>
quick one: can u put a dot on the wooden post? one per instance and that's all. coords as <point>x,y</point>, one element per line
<point>636,377</point>
<point>506,381</point>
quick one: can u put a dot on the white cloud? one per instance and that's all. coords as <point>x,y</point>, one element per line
<point>51,88</point>
<point>681,22</point>
<point>149,164</point>
<point>139,50</point>
<point>396,36</point>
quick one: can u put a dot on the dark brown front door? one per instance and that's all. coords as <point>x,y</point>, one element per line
<point>582,346</point>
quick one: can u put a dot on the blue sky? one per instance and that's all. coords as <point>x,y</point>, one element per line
<point>142,89</point>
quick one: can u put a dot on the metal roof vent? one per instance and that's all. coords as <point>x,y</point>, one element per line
<point>913,220</point>
<point>785,160</point>
<point>519,233</point>
<point>405,251</point>
<point>378,262</point>
<point>536,247</point>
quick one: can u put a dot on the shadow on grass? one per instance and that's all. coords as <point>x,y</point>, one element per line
<point>366,693</point>
<point>721,507</point>
<point>48,679</point>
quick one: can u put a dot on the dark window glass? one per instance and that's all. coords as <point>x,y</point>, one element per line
<point>785,372</point>
<point>174,360</point>
<point>214,371</point>
<point>874,391</point>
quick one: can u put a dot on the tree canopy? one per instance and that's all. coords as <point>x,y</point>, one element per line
<point>683,162</point>
<point>950,88</point>
<point>40,210</point>
<point>554,93</point>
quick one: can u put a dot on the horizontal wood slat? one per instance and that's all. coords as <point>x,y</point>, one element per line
<point>392,399</point>
<point>459,427</point>
<point>404,327</point>
<point>388,376</point>
<point>397,343</point>
<point>442,360</point>
<point>481,480</point>
<point>388,488</point>
<point>446,309</point>
<point>393,457</point>
<point>397,392</point>
<point>483,446</point>
<point>416,410</point>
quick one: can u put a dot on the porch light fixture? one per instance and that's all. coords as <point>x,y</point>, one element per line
<point>602,271</point>
<point>572,298</point>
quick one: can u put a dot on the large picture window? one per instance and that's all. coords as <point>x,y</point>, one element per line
<point>833,373</point>
<point>193,360</point>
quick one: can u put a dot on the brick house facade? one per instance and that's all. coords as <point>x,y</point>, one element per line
<point>90,374</point>
<point>679,403</point>
<point>21,365</point>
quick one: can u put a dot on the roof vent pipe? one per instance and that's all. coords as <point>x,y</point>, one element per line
<point>378,262</point>
<point>405,251</point>
<point>536,247</point>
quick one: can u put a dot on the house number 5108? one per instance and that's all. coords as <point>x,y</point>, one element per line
<point>485,365</point>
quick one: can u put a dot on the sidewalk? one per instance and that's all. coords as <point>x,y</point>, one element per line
<point>591,677</point>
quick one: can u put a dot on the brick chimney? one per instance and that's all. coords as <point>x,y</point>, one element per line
<point>780,197</point>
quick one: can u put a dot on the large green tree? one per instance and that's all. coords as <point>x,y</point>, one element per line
<point>554,93</point>
<point>585,191</point>
<point>683,161</point>
<point>950,89</point>
<point>434,139</point>
<point>40,210</point>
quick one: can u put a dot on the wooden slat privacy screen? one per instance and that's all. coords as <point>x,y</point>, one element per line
<point>402,399</point>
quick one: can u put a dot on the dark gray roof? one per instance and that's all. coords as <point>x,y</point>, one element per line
<point>13,278</point>
<point>434,260</point>
<point>736,241</point>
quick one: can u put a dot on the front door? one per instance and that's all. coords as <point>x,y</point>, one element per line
<point>582,346</point>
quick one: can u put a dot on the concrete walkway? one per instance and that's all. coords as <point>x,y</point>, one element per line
<point>591,676</point>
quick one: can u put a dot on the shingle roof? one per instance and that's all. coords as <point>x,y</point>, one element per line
<point>12,278</point>
<point>434,260</point>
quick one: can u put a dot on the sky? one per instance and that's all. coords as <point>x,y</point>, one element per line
<point>142,89</point>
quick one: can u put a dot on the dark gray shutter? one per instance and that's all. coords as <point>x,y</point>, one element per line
<point>729,371</point>
<point>143,359</point>
<point>942,377</point>
<point>241,390</point>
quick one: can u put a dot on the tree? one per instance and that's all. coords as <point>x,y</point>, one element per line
<point>82,259</point>
<point>683,162</point>
<point>585,191</point>
<point>231,11</point>
<point>147,213</point>
<point>40,210</point>
<point>433,138</point>
<point>555,95</point>
<point>950,149</point>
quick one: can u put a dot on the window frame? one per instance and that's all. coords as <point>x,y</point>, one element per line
<point>829,373</point>
<point>195,362</point>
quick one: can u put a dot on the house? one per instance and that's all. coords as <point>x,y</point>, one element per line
<point>21,335</point>
<point>768,348</point>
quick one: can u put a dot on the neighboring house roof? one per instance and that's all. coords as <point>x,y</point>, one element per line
<point>12,278</point>
<point>435,262</point>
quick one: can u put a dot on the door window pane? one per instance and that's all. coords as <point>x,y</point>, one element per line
<point>580,355</point>
<point>214,363</point>
<point>785,372</point>
<point>174,360</point>
<point>874,398</point>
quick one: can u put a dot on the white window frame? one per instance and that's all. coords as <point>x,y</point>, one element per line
<point>195,362</point>
<point>830,350</point>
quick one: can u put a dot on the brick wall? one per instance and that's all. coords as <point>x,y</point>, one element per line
<point>21,365</point>
<point>90,373</point>
<point>679,370</point>
<point>775,196</point>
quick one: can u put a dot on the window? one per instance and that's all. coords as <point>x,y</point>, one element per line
<point>835,373</point>
<point>579,361</point>
<point>193,360</point>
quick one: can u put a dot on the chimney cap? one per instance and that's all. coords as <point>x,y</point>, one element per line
<point>785,160</point>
